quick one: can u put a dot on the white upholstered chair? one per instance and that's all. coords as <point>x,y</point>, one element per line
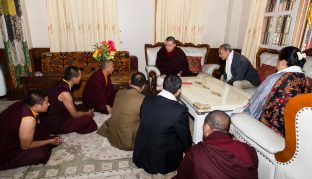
<point>279,157</point>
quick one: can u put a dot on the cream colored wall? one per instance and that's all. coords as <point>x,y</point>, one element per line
<point>215,18</point>
<point>37,23</point>
<point>136,24</point>
<point>237,21</point>
<point>224,21</point>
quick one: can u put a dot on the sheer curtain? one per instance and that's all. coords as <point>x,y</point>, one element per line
<point>182,19</point>
<point>253,35</point>
<point>76,25</point>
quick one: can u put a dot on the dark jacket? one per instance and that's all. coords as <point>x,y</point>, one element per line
<point>242,69</point>
<point>163,135</point>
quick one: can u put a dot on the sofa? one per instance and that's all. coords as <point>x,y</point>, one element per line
<point>53,64</point>
<point>266,65</point>
<point>279,157</point>
<point>193,52</point>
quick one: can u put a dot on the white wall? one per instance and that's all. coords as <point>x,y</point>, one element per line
<point>224,21</point>
<point>38,23</point>
<point>215,18</point>
<point>237,21</point>
<point>136,24</point>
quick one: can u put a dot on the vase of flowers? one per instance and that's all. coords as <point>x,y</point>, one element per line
<point>104,51</point>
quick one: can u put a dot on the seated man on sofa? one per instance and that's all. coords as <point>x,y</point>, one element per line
<point>238,70</point>
<point>171,60</point>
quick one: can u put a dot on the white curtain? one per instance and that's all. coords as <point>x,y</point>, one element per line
<point>253,35</point>
<point>182,19</point>
<point>76,25</point>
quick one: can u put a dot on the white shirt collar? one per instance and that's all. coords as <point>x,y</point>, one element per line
<point>167,94</point>
<point>292,69</point>
<point>228,65</point>
<point>230,57</point>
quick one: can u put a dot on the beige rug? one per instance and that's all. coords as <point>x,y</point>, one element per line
<point>83,156</point>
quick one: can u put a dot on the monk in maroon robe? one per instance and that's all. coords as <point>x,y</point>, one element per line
<point>218,156</point>
<point>63,115</point>
<point>171,60</point>
<point>99,92</point>
<point>23,140</point>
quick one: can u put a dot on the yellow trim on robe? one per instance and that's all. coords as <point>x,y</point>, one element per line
<point>67,83</point>
<point>105,77</point>
<point>34,113</point>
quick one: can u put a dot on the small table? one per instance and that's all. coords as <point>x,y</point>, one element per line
<point>214,93</point>
<point>46,81</point>
<point>120,80</point>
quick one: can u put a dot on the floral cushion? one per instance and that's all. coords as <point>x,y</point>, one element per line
<point>194,63</point>
<point>265,70</point>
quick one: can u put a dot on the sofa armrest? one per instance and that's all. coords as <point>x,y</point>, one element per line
<point>150,68</point>
<point>209,68</point>
<point>257,132</point>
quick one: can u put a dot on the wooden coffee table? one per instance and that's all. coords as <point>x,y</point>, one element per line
<point>214,94</point>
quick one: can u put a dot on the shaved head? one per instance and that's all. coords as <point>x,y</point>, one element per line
<point>218,120</point>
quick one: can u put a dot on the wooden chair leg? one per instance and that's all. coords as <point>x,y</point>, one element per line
<point>153,77</point>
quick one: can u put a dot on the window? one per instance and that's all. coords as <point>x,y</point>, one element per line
<point>278,24</point>
<point>307,40</point>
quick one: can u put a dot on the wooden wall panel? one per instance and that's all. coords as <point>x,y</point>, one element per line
<point>35,56</point>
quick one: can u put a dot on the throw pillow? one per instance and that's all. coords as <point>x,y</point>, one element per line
<point>266,70</point>
<point>194,64</point>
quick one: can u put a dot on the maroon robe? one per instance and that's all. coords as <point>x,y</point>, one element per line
<point>219,156</point>
<point>59,120</point>
<point>11,153</point>
<point>171,63</point>
<point>98,93</point>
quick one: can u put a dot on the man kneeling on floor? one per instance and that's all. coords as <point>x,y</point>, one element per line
<point>23,139</point>
<point>218,156</point>
<point>121,128</point>
<point>164,131</point>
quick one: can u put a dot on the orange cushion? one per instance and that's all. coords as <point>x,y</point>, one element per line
<point>266,70</point>
<point>194,64</point>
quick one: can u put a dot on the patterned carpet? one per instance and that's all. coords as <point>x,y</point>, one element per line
<point>83,156</point>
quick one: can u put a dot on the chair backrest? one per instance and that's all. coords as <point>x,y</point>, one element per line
<point>270,57</point>
<point>295,160</point>
<point>201,50</point>
<point>298,125</point>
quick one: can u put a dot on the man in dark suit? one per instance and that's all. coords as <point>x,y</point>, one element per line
<point>164,132</point>
<point>238,69</point>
